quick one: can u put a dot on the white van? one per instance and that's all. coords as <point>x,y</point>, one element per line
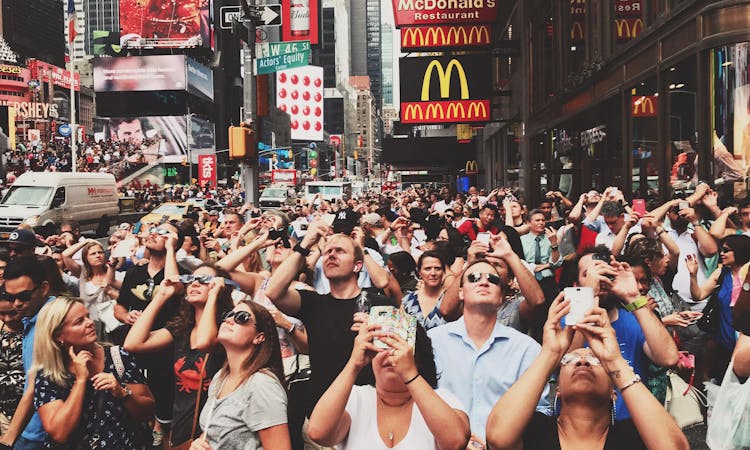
<point>330,190</point>
<point>46,199</point>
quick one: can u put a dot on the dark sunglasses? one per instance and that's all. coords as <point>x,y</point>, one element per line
<point>240,317</point>
<point>11,312</point>
<point>205,279</point>
<point>476,277</point>
<point>23,296</point>
<point>726,250</point>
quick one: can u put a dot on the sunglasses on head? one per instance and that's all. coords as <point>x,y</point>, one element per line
<point>240,317</point>
<point>23,296</point>
<point>574,358</point>
<point>476,277</point>
<point>159,231</point>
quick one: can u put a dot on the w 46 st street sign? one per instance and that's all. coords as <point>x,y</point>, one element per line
<point>275,56</point>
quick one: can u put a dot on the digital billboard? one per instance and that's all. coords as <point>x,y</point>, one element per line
<point>445,89</point>
<point>165,23</point>
<point>140,73</point>
<point>299,20</point>
<point>444,12</point>
<point>299,93</point>
<point>164,136</point>
<point>200,79</point>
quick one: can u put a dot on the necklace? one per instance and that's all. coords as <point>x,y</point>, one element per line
<point>386,405</point>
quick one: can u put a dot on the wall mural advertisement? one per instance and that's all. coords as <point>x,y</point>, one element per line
<point>445,89</point>
<point>163,23</point>
<point>300,19</point>
<point>299,93</point>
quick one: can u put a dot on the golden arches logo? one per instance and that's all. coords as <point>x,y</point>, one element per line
<point>444,76</point>
<point>445,36</point>
<point>627,29</point>
<point>644,106</point>
<point>445,112</point>
<point>412,112</point>
<point>576,31</point>
<point>471,167</point>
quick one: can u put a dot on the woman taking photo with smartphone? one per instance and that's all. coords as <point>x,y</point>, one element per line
<point>246,406</point>
<point>403,408</point>
<point>196,353</point>
<point>89,396</point>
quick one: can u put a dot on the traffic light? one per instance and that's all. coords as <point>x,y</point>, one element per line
<point>241,143</point>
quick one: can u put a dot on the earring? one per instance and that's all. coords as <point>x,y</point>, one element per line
<point>612,413</point>
<point>555,409</point>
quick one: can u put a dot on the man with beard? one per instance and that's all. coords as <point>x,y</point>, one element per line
<point>136,292</point>
<point>641,335</point>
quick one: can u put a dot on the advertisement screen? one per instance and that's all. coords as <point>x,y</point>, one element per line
<point>164,136</point>
<point>299,93</point>
<point>165,23</point>
<point>200,79</point>
<point>202,140</point>
<point>445,89</point>
<point>140,73</point>
<point>299,20</point>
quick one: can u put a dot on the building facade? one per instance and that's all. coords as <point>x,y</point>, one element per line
<point>33,29</point>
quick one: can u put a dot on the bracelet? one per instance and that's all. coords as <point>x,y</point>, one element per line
<point>301,250</point>
<point>636,379</point>
<point>553,247</point>
<point>292,328</point>
<point>659,233</point>
<point>415,377</point>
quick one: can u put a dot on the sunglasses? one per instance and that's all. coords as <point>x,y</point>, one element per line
<point>159,231</point>
<point>726,250</point>
<point>11,312</point>
<point>574,358</point>
<point>240,317</point>
<point>204,279</point>
<point>23,296</point>
<point>476,277</point>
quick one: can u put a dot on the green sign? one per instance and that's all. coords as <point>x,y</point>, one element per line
<point>275,56</point>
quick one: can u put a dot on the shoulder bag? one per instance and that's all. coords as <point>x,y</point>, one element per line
<point>186,445</point>
<point>684,402</point>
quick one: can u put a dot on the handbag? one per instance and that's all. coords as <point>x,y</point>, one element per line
<point>684,402</point>
<point>186,445</point>
<point>709,321</point>
<point>302,370</point>
<point>729,428</point>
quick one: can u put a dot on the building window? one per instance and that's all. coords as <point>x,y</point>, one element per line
<point>644,113</point>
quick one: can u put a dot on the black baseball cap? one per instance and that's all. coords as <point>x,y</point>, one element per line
<point>21,237</point>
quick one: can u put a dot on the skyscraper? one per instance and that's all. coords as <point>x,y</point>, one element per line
<point>365,44</point>
<point>34,29</point>
<point>81,28</point>
<point>100,15</point>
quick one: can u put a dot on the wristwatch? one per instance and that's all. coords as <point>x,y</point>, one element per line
<point>301,250</point>
<point>639,303</point>
<point>128,392</point>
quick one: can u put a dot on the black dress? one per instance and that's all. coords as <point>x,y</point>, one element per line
<point>104,422</point>
<point>541,434</point>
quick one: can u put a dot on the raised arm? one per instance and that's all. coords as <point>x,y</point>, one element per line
<point>577,211</point>
<point>622,235</point>
<point>706,244</point>
<point>720,229</point>
<point>700,292</point>
<point>378,274</point>
<point>235,258</point>
<point>67,255</point>
<point>505,431</point>
<point>61,417</point>
<point>140,338</point>
<point>207,330</point>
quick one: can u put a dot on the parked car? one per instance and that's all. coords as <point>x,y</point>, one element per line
<point>276,196</point>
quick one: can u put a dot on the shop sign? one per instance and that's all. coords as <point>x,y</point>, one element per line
<point>445,36</point>
<point>644,105</point>
<point>577,21</point>
<point>13,70</point>
<point>593,135</point>
<point>471,168</point>
<point>462,85</point>
<point>34,110</point>
<point>442,12</point>
<point>628,19</point>
<point>206,170</point>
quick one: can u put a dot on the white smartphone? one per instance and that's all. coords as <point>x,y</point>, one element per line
<point>581,301</point>
<point>484,237</point>
<point>420,235</point>
<point>329,218</point>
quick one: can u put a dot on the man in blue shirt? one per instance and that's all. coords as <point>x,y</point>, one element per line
<point>26,286</point>
<point>477,358</point>
<point>641,334</point>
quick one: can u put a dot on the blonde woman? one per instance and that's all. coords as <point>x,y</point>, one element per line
<point>88,396</point>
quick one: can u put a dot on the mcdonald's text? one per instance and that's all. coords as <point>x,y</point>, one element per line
<point>440,12</point>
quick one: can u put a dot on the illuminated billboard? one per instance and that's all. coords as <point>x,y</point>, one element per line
<point>163,136</point>
<point>444,12</point>
<point>200,79</point>
<point>140,73</point>
<point>445,89</point>
<point>445,36</point>
<point>299,93</point>
<point>299,20</point>
<point>165,23</point>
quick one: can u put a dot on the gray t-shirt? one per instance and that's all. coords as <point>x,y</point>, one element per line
<point>259,403</point>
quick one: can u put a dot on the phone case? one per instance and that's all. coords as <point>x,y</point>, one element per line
<point>395,321</point>
<point>581,300</point>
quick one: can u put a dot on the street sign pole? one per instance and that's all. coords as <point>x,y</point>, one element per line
<point>250,168</point>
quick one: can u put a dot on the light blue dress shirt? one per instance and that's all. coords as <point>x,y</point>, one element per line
<point>528,241</point>
<point>479,377</point>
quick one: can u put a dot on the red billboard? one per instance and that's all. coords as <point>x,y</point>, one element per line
<point>48,73</point>
<point>442,12</point>
<point>207,170</point>
<point>299,20</point>
<point>161,23</point>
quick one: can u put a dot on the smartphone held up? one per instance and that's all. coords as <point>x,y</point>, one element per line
<point>581,302</point>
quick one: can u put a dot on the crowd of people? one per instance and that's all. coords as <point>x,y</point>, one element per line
<point>417,319</point>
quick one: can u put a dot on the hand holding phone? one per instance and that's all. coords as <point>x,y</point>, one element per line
<point>484,237</point>
<point>394,321</point>
<point>581,302</point>
<point>639,206</point>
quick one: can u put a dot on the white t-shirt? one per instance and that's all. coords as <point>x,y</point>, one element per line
<point>363,432</point>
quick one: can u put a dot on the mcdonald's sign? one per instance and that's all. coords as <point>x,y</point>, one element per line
<point>644,105</point>
<point>471,168</point>
<point>628,28</point>
<point>444,12</point>
<point>445,89</point>
<point>445,36</point>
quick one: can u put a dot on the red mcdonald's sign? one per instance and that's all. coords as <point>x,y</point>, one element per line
<point>443,12</point>
<point>644,105</point>
<point>445,36</point>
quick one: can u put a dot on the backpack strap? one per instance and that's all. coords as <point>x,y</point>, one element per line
<point>114,352</point>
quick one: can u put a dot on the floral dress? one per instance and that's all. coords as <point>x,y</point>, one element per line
<point>104,422</point>
<point>12,375</point>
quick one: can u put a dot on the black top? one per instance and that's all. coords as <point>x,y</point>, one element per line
<point>542,434</point>
<point>137,291</point>
<point>328,322</point>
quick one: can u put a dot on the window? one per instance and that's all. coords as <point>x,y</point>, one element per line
<point>682,123</point>
<point>644,112</point>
